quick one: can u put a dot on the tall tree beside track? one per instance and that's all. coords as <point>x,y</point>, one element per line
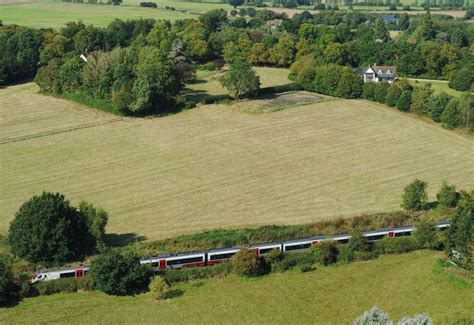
<point>48,230</point>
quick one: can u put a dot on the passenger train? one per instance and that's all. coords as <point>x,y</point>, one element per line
<point>223,255</point>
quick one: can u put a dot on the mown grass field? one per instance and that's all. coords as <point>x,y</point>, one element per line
<point>217,167</point>
<point>438,86</point>
<point>401,285</point>
<point>56,15</point>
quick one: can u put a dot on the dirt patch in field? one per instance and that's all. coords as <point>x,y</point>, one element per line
<point>278,102</point>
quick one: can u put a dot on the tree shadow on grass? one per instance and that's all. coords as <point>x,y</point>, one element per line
<point>431,205</point>
<point>174,293</point>
<point>120,240</point>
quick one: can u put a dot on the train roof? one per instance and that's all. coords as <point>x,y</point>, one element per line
<point>64,268</point>
<point>171,255</point>
<point>223,249</point>
<point>293,241</point>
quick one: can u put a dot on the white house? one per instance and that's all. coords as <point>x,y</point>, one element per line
<point>379,73</point>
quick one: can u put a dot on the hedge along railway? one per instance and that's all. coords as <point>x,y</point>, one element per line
<point>223,255</point>
<point>213,167</point>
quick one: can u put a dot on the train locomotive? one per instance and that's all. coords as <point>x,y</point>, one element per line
<point>223,255</point>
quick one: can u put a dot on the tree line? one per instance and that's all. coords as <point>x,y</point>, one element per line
<point>140,66</point>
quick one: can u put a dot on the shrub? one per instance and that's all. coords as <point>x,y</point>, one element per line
<point>420,319</point>
<point>393,94</point>
<point>462,79</point>
<point>119,274</point>
<point>247,263</point>
<point>233,12</point>
<point>452,114</point>
<point>148,4</point>
<point>306,268</point>
<point>47,230</point>
<point>196,273</point>
<point>158,288</point>
<point>8,289</point>
<point>325,252</point>
<point>375,316</point>
<point>86,283</point>
<point>437,104</point>
<point>96,222</point>
<point>397,245</point>
<point>210,66</point>
<point>274,256</point>
<point>242,12</point>
<point>414,195</point>
<point>425,234</point>
<point>66,285</point>
<point>290,261</point>
<point>251,12</point>
<point>447,195</point>
<point>403,103</point>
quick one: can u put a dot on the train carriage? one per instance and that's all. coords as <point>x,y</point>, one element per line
<point>167,262</point>
<point>265,248</point>
<point>60,273</point>
<point>222,255</point>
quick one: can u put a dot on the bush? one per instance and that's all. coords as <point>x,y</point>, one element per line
<point>8,288</point>
<point>196,273</point>
<point>66,285</point>
<point>210,66</point>
<point>325,252</point>
<point>247,263</point>
<point>397,245</point>
<point>403,103</point>
<point>233,12</point>
<point>242,12</point>
<point>148,4</point>
<point>437,104</point>
<point>306,268</point>
<point>96,222</point>
<point>290,261</point>
<point>452,114</point>
<point>426,235</point>
<point>462,79</point>
<point>119,274</point>
<point>47,230</point>
<point>414,196</point>
<point>251,12</point>
<point>158,288</point>
<point>274,256</point>
<point>375,316</point>
<point>447,195</point>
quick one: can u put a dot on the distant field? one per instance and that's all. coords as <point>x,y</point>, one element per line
<point>214,166</point>
<point>56,15</point>
<point>401,285</point>
<point>438,86</point>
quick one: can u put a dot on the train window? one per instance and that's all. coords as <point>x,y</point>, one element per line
<point>403,234</point>
<point>67,275</point>
<point>266,250</point>
<point>154,264</point>
<point>343,241</point>
<point>297,247</point>
<point>221,256</point>
<point>375,237</point>
<point>185,260</point>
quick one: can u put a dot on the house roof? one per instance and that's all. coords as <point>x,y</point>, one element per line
<point>384,69</point>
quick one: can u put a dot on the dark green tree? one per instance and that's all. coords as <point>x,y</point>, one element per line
<point>414,195</point>
<point>427,28</point>
<point>47,230</point>
<point>70,74</point>
<point>47,77</point>
<point>381,31</point>
<point>393,94</point>
<point>236,3</point>
<point>460,232</point>
<point>240,80</point>
<point>404,21</point>
<point>462,79</point>
<point>349,85</point>
<point>452,116</point>
<point>447,195</point>
<point>119,274</point>
<point>96,222</point>
<point>8,287</point>
<point>403,103</point>
<point>437,104</point>
<point>216,18</point>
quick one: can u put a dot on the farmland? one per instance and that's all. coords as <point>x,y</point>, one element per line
<point>56,15</point>
<point>401,285</point>
<point>216,166</point>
